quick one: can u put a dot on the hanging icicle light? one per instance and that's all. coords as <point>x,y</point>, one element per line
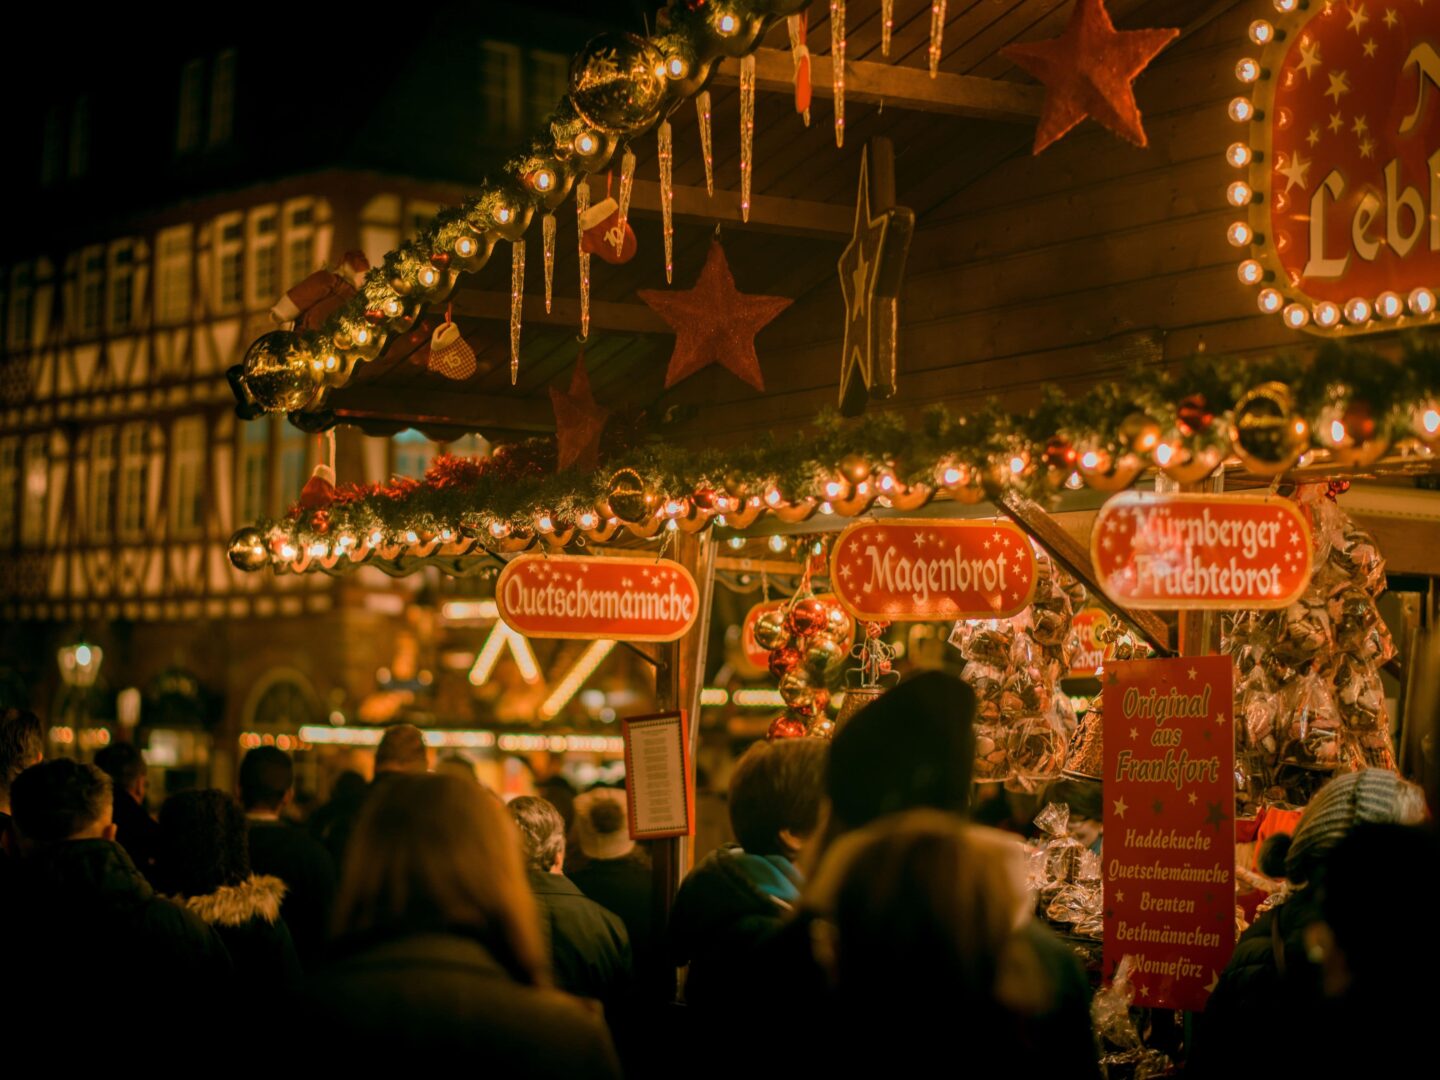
<point>627,185</point>
<point>702,118</point>
<point>799,55</point>
<point>665,147</point>
<point>887,24</point>
<point>547,235</point>
<point>582,204</point>
<point>517,293</point>
<point>837,65</point>
<point>937,35</point>
<point>747,132</point>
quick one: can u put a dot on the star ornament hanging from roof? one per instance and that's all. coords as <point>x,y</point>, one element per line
<point>1088,71</point>
<point>579,421</point>
<point>714,322</point>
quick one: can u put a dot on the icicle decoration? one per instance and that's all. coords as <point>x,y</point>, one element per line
<point>747,132</point>
<point>702,117</point>
<point>547,234</point>
<point>517,292</point>
<point>796,25</point>
<point>837,65</point>
<point>887,24</point>
<point>937,35</point>
<point>667,197</point>
<point>627,185</point>
<point>582,203</point>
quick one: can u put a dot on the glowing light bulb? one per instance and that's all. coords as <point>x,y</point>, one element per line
<point>83,655</point>
<point>1296,316</point>
<point>393,308</point>
<point>1239,193</point>
<point>862,488</point>
<point>674,508</point>
<point>446,535</point>
<point>499,529</point>
<point>736,543</point>
<point>503,214</point>
<point>671,525</point>
<point>826,508</point>
<point>1357,310</point>
<point>543,180</point>
<point>1270,301</point>
<point>544,524</point>
<point>1017,465</point>
<point>721,521</point>
<point>375,538</point>
<point>1422,301</point>
<point>728,24</point>
<point>317,551</point>
<point>588,520</point>
<point>287,551</point>
<point>834,489</point>
<point>1238,154</point>
<point>1326,314</point>
<point>951,476</point>
<point>1261,32</point>
<point>1075,481</point>
<point>772,496</point>
<point>1251,272</point>
<point>1285,7</point>
<point>1430,420</point>
<point>1337,432</point>
<point>675,67</point>
<point>887,483</point>
<point>332,362</point>
<point>1388,305</point>
<point>428,276</point>
<point>1248,70</point>
<point>1090,459</point>
<point>362,336</point>
<point>1241,109</point>
<point>1301,427</point>
<point>1239,234</point>
<point>411,537</point>
<point>466,246</point>
<point>1164,454</point>
<point>777,543</point>
<point>586,143</point>
<point>347,542</point>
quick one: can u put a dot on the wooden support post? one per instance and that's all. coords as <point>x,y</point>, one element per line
<point>1073,556</point>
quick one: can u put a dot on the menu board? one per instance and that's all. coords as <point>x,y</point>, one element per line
<point>1169,848</point>
<point>658,794</point>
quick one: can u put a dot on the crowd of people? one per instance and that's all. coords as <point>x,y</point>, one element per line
<point>861,920</point>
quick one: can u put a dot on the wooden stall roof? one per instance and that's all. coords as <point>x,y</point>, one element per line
<point>1068,267</point>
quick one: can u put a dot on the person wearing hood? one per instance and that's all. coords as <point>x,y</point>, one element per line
<point>204,862</point>
<point>739,894</point>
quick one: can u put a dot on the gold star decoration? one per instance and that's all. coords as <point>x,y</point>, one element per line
<point>1120,808</point>
<point>1337,122</point>
<point>1371,46</point>
<point>1359,127</point>
<point>1296,171</point>
<point>870,268</point>
<point>1358,18</point>
<point>1314,137</point>
<point>1367,147</point>
<point>1339,85</point>
<point>1391,18</point>
<point>579,421</point>
<point>1309,57</point>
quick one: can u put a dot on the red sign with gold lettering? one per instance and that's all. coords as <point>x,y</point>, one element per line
<point>620,599</point>
<point>758,657</point>
<point>918,570</point>
<point>1090,651</point>
<point>1343,144</point>
<point>1201,551</point>
<point>1169,860</point>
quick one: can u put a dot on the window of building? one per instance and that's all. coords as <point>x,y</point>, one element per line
<point>122,284</point>
<point>192,92</point>
<point>91,289</point>
<point>222,98</point>
<point>264,256</point>
<point>295,462</point>
<point>173,273</point>
<point>102,482</point>
<point>500,88</point>
<point>187,470</point>
<point>134,480</point>
<point>79,160</point>
<point>411,453</point>
<point>53,147</point>
<point>37,485</point>
<point>229,254</point>
<point>299,241</point>
<point>22,294</point>
<point>547,78</point>
<point>9,488</point>
<point>476,446</point>
<point>254,470</point>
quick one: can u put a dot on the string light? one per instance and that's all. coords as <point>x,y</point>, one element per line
<point>542,180</point>
<point>736,543</point>
<point>672,525</point>
<point>1326,314</point>
<point>446,535</point>
<point>1090,459</point>
<point>1251,272</point>
<point>375,538</point>
<point>1075,481</point>
<point>1017,465</point>
<point>466,246</point>
<point>588,520</point>
<point>1388,305</point>
<point>1430,420</point>
<point>1248,70</point>
<point>287,551</point>
<point>544,523</point>
<point>1357,310</point>
<point>887,482</point>
<point>411,537</point>
<point>1241,109</point>
<point>318,551</point>
<point>1239,234</point>
<point>777,543</point>
<point>773,497</point>
<point>1270,301</point>
<point>499,529</point>
<point>1285,7</point>
<point>1337,432</point>
<point>1238,154</point>
<point>834,489</point>
<point>674,508</point>
<point>1296,316</point>
<point>332,362</point>
<point>887,25</point>
<point>1261,32</point>
<point>586,143</point>
<point>393,308</point>
<point>1239,193</point>
<point>503,214</point>
<point>362,335</point>
<point>727,25</point>
<point>1164,454</point>
<point>951,476</point>
<point>826,508</point>
<point>428,276</point>
<point>1422,301</point>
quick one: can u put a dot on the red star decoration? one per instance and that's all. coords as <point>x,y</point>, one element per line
<point>714,322</point>
<point>579,421</point>
<point>1088,71</point>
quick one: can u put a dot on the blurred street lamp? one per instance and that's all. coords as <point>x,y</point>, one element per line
<point>79,668</point>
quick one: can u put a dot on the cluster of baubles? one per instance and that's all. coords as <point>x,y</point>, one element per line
<point>809,641</point>
<point>621,84</point>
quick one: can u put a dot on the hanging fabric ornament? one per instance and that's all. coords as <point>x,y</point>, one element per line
<point>800,55</point>
<point>747,132</point>
<point>450,354</point>
<point>547,235</point>
<point>665,148</point>
<point>603,235</point>
<point>517,295</point>
<point>837,65</point>
<point>627,185</point>
<point>319,491</point>
<point>702,119</point>
<point>887,24</point>
<point>582,205</point>
<point>937,35</point>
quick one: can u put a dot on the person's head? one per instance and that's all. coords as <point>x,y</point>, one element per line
<point>457,765</point>
<point>349,788</point>
<point>22,744</point>
<point>775,795</point>
<point>125,765</point>
<point>203,843</point>
<point>402,750</point>
<point>602,824</point>
<point>436,853</point>
<point>267,779</point>
<point>542,833</point>
<point>1367,797</point>
<point>61,800</point>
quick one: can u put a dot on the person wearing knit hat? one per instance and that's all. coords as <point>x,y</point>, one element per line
<point>1367,797</point>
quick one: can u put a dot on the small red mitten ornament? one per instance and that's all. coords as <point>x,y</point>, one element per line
<point>601,227</point>
<point>450,354</point>
<point>319,491</point>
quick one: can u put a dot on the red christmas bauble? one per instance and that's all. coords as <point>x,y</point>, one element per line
<point>1194,416</point>
<point>786,727</point>
<point>784,660</point>
<point>814,705</point>
<point>1060,453</point>
<point>440,259</point>
<point>374,316</point>
<point>705,498</point>
<point>807,616</point>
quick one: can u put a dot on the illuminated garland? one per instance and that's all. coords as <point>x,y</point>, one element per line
<point>1348,403</point>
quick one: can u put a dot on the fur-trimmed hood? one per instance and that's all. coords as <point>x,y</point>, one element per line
<point>257,897</point>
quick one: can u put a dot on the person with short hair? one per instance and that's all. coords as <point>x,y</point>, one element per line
<point>204,863</point>
<point>740,893</point>
<point>136,830</point>
<point>617,875</point>
<point>402,749</point>
<point>285,851</point>
<point>82,916</point>
<point>439,950</point>
<point>588,947</point>
<point>22,744</point>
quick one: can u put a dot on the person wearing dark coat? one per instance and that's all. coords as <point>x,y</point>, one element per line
<point>83,921</point>
<point>439,950</point>
<point>279,849</point>
<point>205,863</point>
<point>616,875</point>
<point>135,829</point>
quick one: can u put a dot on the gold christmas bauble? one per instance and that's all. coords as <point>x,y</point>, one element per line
<point>615,83</point>
<point>1267,433</point>
<point>630,500</point>
<point>247,551</point>
<point>279,372</point>
<point>1139,433</point>
<point>855,467</point>
<point>770,631</point>
<point>825,656</point>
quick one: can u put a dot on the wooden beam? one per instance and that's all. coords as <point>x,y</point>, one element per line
<point>898,86</point>
<point>565,311</point>
<point>380,404</point>
<point>768,213</point>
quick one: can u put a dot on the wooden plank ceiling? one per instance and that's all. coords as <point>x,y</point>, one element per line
<point>804,191</point>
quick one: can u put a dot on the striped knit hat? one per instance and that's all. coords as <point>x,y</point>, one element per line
<point>1371,796</point>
